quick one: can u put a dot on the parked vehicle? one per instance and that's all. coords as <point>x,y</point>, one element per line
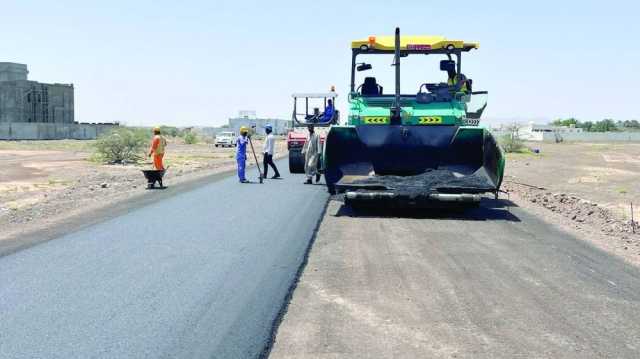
<point>312,115</point>
<point>226,139</point>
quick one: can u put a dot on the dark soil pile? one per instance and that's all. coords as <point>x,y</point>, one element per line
<point>581,212</point>
<point>431,181</point>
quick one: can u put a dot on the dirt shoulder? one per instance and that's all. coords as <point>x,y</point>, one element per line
<point>45,185</point>
<point>585,189</point>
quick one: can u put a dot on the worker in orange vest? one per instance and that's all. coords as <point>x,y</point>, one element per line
<point>158,144</point>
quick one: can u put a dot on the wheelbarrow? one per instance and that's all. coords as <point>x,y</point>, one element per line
<point>154,176</point>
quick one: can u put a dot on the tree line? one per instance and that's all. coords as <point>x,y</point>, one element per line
<point>606,125</point>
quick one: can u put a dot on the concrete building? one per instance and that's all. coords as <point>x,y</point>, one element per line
<point>22,100</point>
<point>249,119</point>
<point>30,110</point>
<point>10,71</point>
<point>549,133</point>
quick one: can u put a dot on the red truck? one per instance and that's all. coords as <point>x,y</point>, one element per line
<point>297,137</point>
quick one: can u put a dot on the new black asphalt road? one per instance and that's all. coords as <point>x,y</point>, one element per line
<point>202,274</point>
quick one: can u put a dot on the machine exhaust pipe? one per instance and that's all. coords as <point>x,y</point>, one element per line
<point>396,118</point>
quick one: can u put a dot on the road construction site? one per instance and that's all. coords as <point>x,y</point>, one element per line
<point>416,239</point>
<point>498,281</point>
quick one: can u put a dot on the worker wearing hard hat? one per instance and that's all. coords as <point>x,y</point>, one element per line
<point>311,152</point>
<point>158,145</point>
<point>457,82</point>
<point>268,151</point>
<point>241,152</point>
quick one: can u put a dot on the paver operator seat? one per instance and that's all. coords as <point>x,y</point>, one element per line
<point>370,87</point>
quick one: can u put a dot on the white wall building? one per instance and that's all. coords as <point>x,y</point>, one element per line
<point>550,133</point>
<point>249,119</point>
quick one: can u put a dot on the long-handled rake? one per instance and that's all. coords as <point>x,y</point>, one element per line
<point>256,158</point>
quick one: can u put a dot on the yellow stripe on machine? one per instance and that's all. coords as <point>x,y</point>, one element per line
<point>430,120</point>
<point>409,43</point>
<point>376,120</point>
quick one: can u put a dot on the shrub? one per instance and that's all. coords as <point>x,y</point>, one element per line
<point>606,125</point>
<point>190,138</point>
<point>511,142</point>
<point>121,145</point>
<point>170,131</point>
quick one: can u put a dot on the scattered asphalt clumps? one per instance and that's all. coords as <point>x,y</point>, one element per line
<point>581,212</point>
<point>432,180</point>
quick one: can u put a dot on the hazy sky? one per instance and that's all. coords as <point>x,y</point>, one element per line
<point>199,62</point>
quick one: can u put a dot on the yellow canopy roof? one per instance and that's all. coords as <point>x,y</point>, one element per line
<point>415,43</point>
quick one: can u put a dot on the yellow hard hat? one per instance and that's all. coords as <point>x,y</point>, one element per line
<point>244,129</point>
<point>156,129</point>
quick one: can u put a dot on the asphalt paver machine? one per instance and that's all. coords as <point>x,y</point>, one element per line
<point>425,148</point>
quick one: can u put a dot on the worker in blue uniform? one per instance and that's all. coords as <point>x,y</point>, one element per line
<point>328,112</point>
<point>241,153</point>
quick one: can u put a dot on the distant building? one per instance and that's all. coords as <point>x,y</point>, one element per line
<point>30,110</point>
<point>533,128</point>
<point>249,119</point>
<point>247,114</point>
<point>550,133</point>
<point>22,100</point>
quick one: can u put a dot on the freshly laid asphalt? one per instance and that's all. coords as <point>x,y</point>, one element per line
<point>202,274</point>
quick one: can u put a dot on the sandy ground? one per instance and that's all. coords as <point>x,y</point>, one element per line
<point>42,183</point>
<point>586,189</point>
<point>604,173</point>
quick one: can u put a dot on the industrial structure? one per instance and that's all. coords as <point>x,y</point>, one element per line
<point>249,119</point>
<point>31,110</point>
<point>22,100</point>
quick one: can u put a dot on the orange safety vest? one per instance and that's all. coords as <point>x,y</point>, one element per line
<point>158,144</point>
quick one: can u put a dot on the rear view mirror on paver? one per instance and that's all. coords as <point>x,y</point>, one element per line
<point>364,67</point>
